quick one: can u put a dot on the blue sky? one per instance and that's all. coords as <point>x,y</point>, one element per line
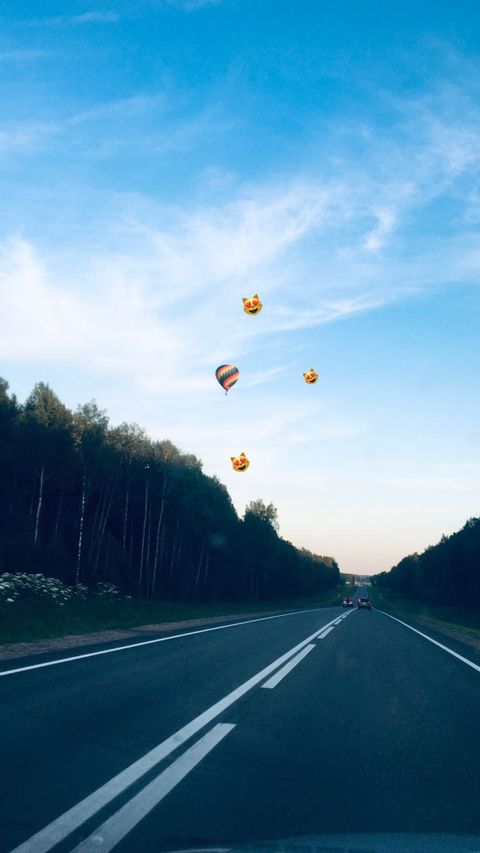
<point>159,160</point>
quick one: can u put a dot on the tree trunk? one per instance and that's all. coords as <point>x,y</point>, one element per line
<point>197,576</point>
<point>82,519</point>
<point>179,551</point>
<point>174,546</point>
<point>59,513</point>
<point>207,566</point>
<point>140,575</point>
<point>97,522</point>
<point>103,524</point>
<point>252,579</point>
<point>157,542</point>
<point>149,540</point>
<point>32,500</point>
<point>39,503</point>
<point>157,539</point>
<point>106,559</point>
<point>125,516</point>
<point>130,546</point>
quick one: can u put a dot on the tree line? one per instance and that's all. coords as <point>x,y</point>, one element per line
<point>85,501</point>
<point>446,573</point>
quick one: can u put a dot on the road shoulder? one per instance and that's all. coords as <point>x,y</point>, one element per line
<point>10,651</point>
<point>454,638</point>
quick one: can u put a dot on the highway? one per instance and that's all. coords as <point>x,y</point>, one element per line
<point>318,723</point>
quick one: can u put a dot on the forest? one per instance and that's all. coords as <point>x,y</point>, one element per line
<point>446,573</point>
<point>87,502</point>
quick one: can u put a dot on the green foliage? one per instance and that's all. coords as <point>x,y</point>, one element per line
<point>82,501</point>
<point>446,573</point>
<point>267,514</point>
<point>21,586</point>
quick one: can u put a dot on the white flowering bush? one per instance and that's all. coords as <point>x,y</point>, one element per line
<point>107,590</point>
<point>27,587</point>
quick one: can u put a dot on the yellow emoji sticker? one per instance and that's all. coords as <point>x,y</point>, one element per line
<point>240,463</point>
<point>310,377</point>
<point>252,305</point>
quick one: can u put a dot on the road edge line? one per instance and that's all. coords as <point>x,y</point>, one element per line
<point>431,640</point>
<point>61,827</point>
<point>151,642</point>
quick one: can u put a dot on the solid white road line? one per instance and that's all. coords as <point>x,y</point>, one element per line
<point>435,642</point>
<point>151,642</point>
<point>275,679</point>
<point>115,828</point>
<point>72,819</point>
<point>325,633</point>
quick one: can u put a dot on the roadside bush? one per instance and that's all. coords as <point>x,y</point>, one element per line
<point>108,591</point>
<point>20,586</point>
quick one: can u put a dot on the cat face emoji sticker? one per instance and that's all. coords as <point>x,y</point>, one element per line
<point>310,377</point>
<point>252,305</point>
<point>240,463</point>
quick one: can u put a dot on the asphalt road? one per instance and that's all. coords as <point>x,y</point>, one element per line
<point>324,722</point>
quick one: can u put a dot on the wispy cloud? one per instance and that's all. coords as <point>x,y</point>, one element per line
<point>192,5</point>
<point>432,484</point>
<point>184,134</point>
<point>375,239</point>
<point>93,17</point>
<point>299,243</point>
<point>164,294</point>
<point>125,108</point>
<point>26,137</point>
<point>316,248</point>
<point>23,55</point>
<point>143,295</point>
<point>41,319</point>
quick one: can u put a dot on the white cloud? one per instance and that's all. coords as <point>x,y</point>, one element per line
<point>184,134</point>
<point>94,17</point>
<point>192,5</point>
<point>180,270</point>
<point>155,317</point>
<point>23,55</point>
<point>26,137</point>
<point>129,108</point>
<point>123,311</point>
<point>432,484</point>
<point>375,239</point>
<point>233,240</point>
<point>107,329</point>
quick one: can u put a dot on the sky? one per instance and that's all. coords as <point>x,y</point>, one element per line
<point>162,159</point>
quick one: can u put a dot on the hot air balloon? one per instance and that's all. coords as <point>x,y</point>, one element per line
<point>227,375</point>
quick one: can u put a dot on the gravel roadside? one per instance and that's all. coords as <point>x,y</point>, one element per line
<point>73,641</point>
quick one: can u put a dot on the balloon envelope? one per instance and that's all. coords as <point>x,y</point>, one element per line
<point>227,375</point>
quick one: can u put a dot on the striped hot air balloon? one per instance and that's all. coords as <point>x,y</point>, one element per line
<point>227,375</point>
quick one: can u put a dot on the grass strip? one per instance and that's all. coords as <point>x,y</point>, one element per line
<point>463,620</point>
<point>28,621</point>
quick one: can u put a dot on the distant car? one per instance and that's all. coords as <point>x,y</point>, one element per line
<point>364,601</point>
<point>347,601</point>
